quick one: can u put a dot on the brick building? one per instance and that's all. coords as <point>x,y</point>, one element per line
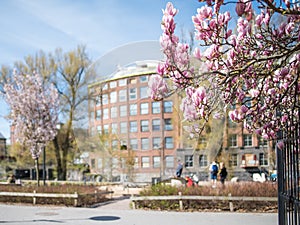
<point>142,139</point>
<point>134,125</point>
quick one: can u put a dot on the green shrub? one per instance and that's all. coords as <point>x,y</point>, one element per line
<point>254,189</point>
<point>233,189</point>
<point>87,196</point>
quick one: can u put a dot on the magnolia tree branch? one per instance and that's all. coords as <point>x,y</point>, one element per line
<point>255,66</point>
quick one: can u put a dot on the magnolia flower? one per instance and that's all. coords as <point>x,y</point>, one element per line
<point>280,145</point>
<point>197,53</point>
<point>188,109</point>
<point>254,93</point>
<point>199,97</point>
<point>237,66</point>
<point>157,87</point>
<point>243,7</point>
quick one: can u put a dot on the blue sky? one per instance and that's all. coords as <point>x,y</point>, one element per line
<point>28,26</point>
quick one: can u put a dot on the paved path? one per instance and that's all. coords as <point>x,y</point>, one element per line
<point>119,212</point>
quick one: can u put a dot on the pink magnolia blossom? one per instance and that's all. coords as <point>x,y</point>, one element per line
<point>259,61</point>
<point>280,145</point>
<point>199,97</point>
<point>242,7</point>
<point>158,88</point>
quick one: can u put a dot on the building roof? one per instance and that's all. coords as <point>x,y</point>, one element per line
<point>121,60</point>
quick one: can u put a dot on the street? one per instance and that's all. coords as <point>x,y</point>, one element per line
<point>40,215</point>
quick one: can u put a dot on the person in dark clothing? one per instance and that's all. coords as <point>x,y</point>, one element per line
<point>179,169</point>
<point>223,174</point>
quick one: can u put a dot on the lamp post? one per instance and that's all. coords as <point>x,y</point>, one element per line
<point>44,166</point>
<point>162,152</point>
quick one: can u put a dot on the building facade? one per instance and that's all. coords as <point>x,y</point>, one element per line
<point>142,139</point>
<point>139,137</point>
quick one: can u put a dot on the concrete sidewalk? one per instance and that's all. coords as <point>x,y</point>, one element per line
<point>119,203</point>
<point>43,215</point>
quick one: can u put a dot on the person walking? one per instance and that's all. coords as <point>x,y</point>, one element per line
<point>223,173</point>
<point>214,169</point>
<point>179,169</point>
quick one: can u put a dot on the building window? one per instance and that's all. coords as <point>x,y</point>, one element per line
<point>132,94</point>
<point>123,127</point>
<point>145,162</point>
<point>132,81</point>
<point>233,160</point>
<point>114,128</point>
<point>263,159</point>
<point>98,114</point>
<point>133,144</point>
<point>168,124</point>
<point>144,125</point>
<point>247,138</point>
<point>122,82</point>
<point>136,162</point>
<point>98,100</point>
<point>133,109</point>
<point>113,84</point>
<point>156,161</point>
<point>202,141</point>
<point>188,160</point>
<point>144,108</point>
<point>262,141</point>
<point>145,143</point>
<point>203,161</point>
<point>144,92</point>
<point>104,99</point>
<point>93,163</point>
<point>168,106</point>
<point>156,142</point>
<point>233,140</point>
<point>113,112</point>
<point>105,113</point>
<point>169,143</point>
<point>115,162</point>
<point>169,161</point>
<point>99,129</point>
<point>123,110</point>
<point>133,126</point>
<point>155,107</point>
<point>100,164</point>
<point>123,145</point>
<point>114,144</point>
<point>143,79</point>
<point>123,95</point>
<point>106,128</point>
<point>106,144</point>
<point>105,87</point>
<point>156,125</point>
<point>113,97</point>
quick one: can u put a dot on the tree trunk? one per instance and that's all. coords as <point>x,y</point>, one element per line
<point>59,168</point>
<point>37,171</point>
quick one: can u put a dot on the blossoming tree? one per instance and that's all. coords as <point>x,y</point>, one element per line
<point>34,111</point>
<point>253,65</point>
